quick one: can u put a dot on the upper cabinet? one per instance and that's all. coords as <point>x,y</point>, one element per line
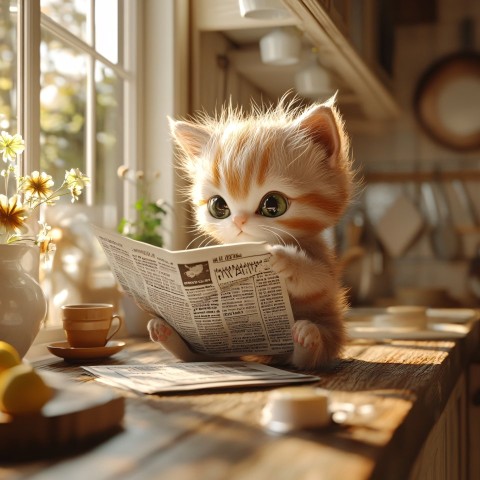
<point>342,37</point>
<point>353,37</point>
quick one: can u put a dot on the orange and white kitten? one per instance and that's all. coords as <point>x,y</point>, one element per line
<point>282,176</point>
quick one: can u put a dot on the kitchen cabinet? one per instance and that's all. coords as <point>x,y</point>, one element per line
<point>473,410</point>
<point>444,454</point>
<point>332,29</point>
<point>343,37</point>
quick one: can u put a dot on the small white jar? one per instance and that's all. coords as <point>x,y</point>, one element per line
<point>281,46</point>
<point>295,408</point>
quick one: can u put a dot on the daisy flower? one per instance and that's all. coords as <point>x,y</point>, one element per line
<point>36,186</point>
<point>75,181</point>
<point>31,191</point>
<point>12,214</point>
<point>10,146</point>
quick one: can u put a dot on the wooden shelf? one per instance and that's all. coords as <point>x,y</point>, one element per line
<point>373,92</point>
<point>363,91</point>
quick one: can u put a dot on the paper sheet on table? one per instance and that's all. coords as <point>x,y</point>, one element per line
<point>177,377</point>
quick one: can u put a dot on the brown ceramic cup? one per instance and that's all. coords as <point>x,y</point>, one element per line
<point>90,324</point>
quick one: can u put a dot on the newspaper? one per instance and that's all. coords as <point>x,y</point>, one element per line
<point>223,300</point>
<point>177,377</point>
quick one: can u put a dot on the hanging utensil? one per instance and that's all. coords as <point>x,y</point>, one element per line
<point>363,261</point>
<point>445,242</point>
<point>399,226</point>
<point>466,203</point>
<point>474,275</point>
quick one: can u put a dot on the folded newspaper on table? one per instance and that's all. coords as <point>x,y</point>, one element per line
<point>223,300</point>
<point>178,377</point>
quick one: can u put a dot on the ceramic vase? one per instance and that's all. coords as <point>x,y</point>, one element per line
<point>23,305</point>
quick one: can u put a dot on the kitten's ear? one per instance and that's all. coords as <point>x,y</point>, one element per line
<point>322,125</point>
<point>190,137</point>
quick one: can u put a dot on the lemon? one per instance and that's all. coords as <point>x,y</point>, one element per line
<point>8,356</point>
<point>22,390</point>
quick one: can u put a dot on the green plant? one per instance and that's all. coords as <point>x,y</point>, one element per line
<point>148,215</point>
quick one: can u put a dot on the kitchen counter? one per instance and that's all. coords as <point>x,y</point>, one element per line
<point>407,394</point>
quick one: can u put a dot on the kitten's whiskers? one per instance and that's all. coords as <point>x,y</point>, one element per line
<point>281,230</point>
<point>197,238</point>
<point>205,242</point>
<point>278,237</point>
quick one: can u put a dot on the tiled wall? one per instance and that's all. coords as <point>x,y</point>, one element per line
<point>403,146</point>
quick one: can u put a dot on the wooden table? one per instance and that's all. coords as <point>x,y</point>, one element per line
<point>217,435</point>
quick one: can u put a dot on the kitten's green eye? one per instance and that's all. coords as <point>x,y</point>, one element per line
<point>273,204</point>
<point>218,207</point>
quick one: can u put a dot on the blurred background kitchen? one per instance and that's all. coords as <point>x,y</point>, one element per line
<point>91,82</point>
<point>407,77</point>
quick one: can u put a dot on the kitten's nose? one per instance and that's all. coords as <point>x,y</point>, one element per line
<point>239,220</point>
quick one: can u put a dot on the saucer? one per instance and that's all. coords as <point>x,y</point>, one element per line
<point>433,331</point>
<point>442,324</point>
<point>64,350</point>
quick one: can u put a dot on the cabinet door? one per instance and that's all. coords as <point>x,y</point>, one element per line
<point>444,453</point>
<point>340,13</point>
<point>474,420</point>
<point>430,464</point>
<point>456,433</point>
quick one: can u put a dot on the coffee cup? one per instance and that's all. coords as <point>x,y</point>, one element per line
<point>90,324</point>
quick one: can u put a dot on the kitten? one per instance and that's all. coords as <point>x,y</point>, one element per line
<point>282,176</point>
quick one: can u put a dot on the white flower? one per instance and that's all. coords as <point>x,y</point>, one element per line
<point>12,214</point>
<point>31,191</point>
<point>10,146</point>
<point>75,181</point>
<point>37,185</point>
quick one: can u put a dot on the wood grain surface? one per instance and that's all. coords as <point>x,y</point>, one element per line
<point>397,390</point>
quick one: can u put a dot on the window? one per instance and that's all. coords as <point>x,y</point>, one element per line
<point>83,81</point>
<point>89,84</point>
<point>76,95</point>
<point>8,65</point>
<point>67,84</point>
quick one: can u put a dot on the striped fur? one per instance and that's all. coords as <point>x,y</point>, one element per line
<point>302,153</point>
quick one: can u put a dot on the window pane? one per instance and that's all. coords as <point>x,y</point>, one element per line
<point>106,29</point>
<point>74,15</point>
<point>8,65</point>
<point>62,107</point>
<point>109,134</point>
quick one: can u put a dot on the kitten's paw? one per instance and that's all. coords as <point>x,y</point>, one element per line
<point>306,334</point>
<point>307,345</point>
<point>161,332</point>
<point>284,260</point>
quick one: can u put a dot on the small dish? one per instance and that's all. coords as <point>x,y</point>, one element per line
<point>64,350</point>
<point>296,408</point>
<point>451,315</point>
<point>402,317</point>
<point>434,331</point>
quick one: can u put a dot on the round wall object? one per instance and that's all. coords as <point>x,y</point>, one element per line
<point>447,101</point>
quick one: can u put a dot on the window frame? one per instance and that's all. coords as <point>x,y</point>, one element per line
<point>30,20</point>
<point>156,48</point>
<point>29,24</point>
